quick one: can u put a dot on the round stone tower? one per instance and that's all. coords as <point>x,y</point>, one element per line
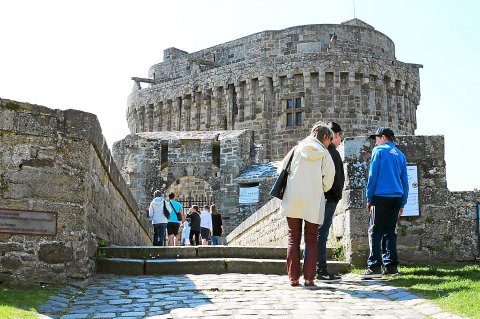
<point>278,84</point>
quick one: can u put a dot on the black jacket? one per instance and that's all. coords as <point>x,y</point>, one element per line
<point>194,221</point>
<point>335,193</point>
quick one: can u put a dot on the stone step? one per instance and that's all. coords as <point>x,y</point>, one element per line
<point>182,252</point>
<point>126,266</point>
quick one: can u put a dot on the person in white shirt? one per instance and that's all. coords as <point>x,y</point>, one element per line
<point>156,212</point>
<point>186,233</point>
<point>206,224</point>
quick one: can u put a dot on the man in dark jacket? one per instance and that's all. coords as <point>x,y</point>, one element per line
<point>333,196</point>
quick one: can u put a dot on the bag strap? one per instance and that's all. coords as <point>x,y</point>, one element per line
<point>173,208</point>
<point>287,168</point>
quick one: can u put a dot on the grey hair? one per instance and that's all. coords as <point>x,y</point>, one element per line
<point>321,130</point>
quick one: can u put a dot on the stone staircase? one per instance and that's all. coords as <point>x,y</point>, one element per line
<point>148,260</point>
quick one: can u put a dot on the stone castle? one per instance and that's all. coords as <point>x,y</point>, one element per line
<point>213,117</point>
<point>215,123</point>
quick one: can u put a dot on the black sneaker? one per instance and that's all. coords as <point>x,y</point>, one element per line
<point>390,270</point>
<point>326,277</point>
<point>371,273</point>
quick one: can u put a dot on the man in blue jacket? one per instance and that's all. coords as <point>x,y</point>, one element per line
<point>387,193</point>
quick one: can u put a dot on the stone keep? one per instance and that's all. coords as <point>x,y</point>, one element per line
<point>275,84</point>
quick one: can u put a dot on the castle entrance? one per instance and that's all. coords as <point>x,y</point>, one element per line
<point>192,190</point>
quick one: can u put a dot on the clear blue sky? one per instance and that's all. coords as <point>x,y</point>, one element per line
<point>82,54</point>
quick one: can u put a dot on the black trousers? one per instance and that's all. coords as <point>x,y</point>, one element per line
<point>382,236</point>
<point>195,233</point>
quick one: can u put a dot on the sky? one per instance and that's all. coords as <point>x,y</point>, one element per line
<point>69,54</point>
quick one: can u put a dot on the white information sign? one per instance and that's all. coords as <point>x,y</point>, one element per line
<point>412,207</point>
<point>249,195</point>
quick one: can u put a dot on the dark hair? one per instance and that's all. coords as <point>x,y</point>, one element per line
<point>171,195</point>
<point>195,207</point>
<point>206,206</point>
<point>157,193</point>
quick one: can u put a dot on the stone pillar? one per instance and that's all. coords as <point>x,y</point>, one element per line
<point>187,106</point>
<point>228,93</point>
<point>248,100</point>
<point>383,100</point>
<point>140,118</point>
<point>177,113</point>
<point>148,118</point>
<point>168,114</point>
<point>275,91</point>
<point>196,111</point>
<point>239,98</point>
<point>215,107</point>
<point>207,100</point>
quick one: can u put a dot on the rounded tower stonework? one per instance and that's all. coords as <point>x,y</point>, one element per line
<point>278,84</point>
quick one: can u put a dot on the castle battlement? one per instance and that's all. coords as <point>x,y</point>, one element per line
<point>279,83</point>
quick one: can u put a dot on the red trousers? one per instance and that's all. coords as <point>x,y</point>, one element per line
<point>293,251</point>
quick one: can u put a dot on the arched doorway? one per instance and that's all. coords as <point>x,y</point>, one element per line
<point>192,190</point>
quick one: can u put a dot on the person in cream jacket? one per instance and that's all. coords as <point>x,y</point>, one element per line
<point>311,174</point>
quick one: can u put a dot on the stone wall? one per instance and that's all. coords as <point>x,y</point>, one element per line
<point>445,231</point>
<point>150,161</point>
<point>267,227</point>
<point>58,161</point>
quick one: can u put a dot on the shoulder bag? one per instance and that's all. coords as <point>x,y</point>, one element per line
<point>280,184</point>
<point>165,210</point>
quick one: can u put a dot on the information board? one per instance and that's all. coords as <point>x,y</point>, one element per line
<point>412,207</point>
<point>249,195</point>
<point>28,222</point>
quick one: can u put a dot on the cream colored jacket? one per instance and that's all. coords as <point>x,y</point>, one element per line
<point>311,174</point>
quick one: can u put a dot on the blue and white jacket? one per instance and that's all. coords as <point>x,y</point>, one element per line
<point>388,173</point>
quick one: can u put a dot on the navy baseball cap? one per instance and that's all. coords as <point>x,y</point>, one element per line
<point>383,131</point>
<point>335,127</point>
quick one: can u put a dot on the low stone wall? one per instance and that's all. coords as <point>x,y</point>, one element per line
<point>267,227</point>
<point>446,229</point>
<point>58,161</point>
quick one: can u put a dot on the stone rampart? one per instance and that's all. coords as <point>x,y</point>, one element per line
<point>58,161</point>
<point>266,227</point>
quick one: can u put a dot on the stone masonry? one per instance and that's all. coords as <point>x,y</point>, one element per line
<point>58,161</point>
<point>273,84</point>
<point>278,84</point>
<point>160,160</point>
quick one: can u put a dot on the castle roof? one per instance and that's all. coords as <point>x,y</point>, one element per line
<point>357,23</point>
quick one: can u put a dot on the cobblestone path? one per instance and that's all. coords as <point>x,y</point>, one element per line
<point>235,296</point>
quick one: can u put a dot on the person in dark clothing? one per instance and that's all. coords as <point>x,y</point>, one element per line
<point>217,224</point>
<point>332,197</point>
<point>194,217</point>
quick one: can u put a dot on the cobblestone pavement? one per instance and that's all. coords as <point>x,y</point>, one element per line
<point>234,296</point>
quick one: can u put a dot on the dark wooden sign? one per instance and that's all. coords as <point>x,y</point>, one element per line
<point>28,222</point>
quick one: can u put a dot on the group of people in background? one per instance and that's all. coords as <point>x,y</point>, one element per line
<point>168,219</point>
<point>314,188</point>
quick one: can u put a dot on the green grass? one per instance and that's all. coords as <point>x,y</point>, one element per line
<point>22,303</point>
<point>455,289</point>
